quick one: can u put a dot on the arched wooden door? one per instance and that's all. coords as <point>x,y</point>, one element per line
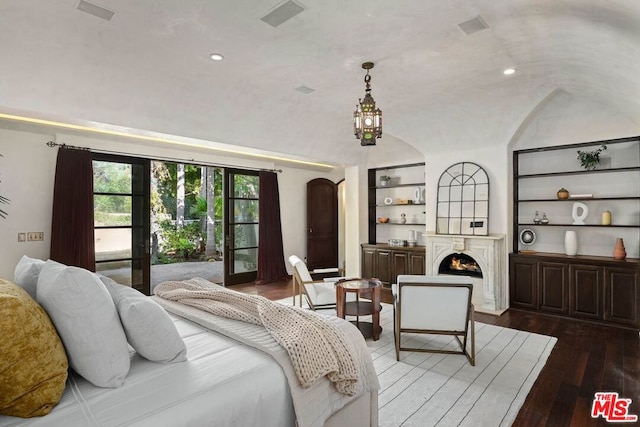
<point>322,224</point>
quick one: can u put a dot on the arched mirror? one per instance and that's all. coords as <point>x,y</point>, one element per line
<point>463,200</point>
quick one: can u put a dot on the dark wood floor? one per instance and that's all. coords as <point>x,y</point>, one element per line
<point>587,358</point>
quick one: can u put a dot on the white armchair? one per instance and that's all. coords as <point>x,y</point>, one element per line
<point>439,305</point>
<point>319,293</point>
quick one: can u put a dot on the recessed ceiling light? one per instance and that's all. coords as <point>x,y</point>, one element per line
<point>509,71</point>
<point>216,57</point>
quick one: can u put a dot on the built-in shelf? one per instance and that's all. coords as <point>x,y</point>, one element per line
<point>539,173</point>
<point>401,204</point>
<point>590,285</point>
<point>581,199</point>
<point>413,184</point>
<point>399,223</point>
<point>581,172</point>
<point>406,181</point>
<point>532,224</point>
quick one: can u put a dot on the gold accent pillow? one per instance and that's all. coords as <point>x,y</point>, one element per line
<point>33,366</point>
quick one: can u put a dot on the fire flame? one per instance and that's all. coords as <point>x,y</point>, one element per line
<point>457,265</point>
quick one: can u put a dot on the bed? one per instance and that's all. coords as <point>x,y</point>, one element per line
<point>222,382</point>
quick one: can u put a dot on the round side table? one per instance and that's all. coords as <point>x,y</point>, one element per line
<point>368,288</point>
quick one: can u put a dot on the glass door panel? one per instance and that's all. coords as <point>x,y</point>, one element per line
<point>241,226</point>
<point>121,219</point>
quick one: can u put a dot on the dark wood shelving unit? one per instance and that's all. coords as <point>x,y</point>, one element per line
<point>586,287</point>
<point>568,173</point>
<point>373,188</point>
<point>379,259</point>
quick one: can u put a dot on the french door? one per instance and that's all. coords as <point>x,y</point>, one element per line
<point>241,226</point>
<point>121,187</point>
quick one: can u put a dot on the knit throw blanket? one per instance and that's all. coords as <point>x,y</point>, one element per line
<point>316,347</point>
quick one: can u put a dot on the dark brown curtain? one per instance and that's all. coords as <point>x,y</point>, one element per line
<point>271,267</point>
<point>72,241</point>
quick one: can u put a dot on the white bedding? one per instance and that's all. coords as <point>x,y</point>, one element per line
<point>222,383</point>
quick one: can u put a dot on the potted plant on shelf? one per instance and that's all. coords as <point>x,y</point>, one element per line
<point>384,180</point>
<point>590,160</point>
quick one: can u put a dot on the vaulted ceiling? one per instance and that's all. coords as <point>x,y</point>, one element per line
<point>148,67</point>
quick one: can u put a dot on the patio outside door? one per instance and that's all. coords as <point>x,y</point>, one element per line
<point>241,226</point>
<point>121,218</point>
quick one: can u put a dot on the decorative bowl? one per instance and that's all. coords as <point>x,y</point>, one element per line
<point>563,194</point>
<point>383,219</point>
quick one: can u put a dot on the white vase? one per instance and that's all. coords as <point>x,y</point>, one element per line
<point>570,243</point>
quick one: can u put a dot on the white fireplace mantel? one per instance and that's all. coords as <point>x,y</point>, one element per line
<point>488,251</point>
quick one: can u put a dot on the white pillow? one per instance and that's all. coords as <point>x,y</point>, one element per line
<point>87,321</point>
<point>26,274</point>
<point>149,329</point>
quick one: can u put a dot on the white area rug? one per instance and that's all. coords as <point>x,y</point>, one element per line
<point>427,389</point>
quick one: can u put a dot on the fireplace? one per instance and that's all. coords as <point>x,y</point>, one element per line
<point>490,289</point>
<point>460,264</point>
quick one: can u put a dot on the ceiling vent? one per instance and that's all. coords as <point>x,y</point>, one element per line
<point>473,25</point>
<point>305,89</point>
<point>282,13</point>
<point>97,11</point>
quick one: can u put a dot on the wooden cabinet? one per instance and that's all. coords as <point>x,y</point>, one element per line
<point>600,205</point>
<point>621,296</point>
<point>583,287</point>
<point>585,291</point>
<point>386,262</point>
<point>553,295</point>
<point>417,262</point>
<point>523,282</point>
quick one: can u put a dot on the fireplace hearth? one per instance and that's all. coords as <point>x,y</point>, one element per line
<point>489,271</point>
<point>460,264</point>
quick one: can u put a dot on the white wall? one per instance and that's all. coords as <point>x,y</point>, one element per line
<point>292,184</point>
<point>494,161</point>
<point>27,172</point>
<point>356,217</point>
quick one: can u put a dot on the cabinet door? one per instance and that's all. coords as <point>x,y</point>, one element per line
<point>416,263</point>
<point>585,291</point>
<point>553,287</point>
<point>621,296</point>
<point>523,280</point>
<point>400,264</point>
<point>384,266</point>
<point>369,263</point>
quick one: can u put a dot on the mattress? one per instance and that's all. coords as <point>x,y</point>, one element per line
<point>222,383</point>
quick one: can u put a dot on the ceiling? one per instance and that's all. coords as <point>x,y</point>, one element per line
<point>148,68</point>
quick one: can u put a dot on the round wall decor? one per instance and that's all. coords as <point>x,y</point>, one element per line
<point>527,236</point>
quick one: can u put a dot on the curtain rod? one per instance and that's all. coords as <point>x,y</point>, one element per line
<point>53,144</point>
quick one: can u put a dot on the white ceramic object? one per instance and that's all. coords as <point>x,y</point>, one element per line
<point>388,201</point>
<point>579,213</point>
<point>417,195</point>
<point>570,242</point>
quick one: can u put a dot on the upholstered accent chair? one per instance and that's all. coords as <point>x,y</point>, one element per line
<point>318,293</point>
<point>438,305</point>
